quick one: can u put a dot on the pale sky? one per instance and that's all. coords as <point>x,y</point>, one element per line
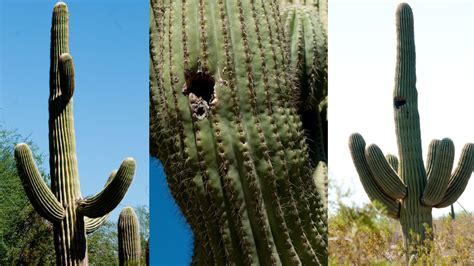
<point>362,49</point>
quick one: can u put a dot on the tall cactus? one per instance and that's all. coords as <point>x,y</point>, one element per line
<point>72,216</point>
<point>129,238</point>
<point>225,126</point>
<point>407,189</point>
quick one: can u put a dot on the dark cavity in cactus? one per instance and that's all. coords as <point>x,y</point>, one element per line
<point>129,238</point>
<point>226,121</point>
<point>62,204</point>
<point>407,189</point>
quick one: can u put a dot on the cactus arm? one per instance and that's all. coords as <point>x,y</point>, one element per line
<point>93,224</point>
<point>439,173</point>
<point>383,173</point>
<point>430,158</point>
<point>66,75</point>
<point>106,200</point>
<point>460,177</point>
<point>357,148</point>
<point>129,238</point>
<point>393,161</point>
<point>36,189</point>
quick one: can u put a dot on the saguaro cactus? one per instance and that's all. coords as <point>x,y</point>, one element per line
<point>225,125</point>
<point>307,46</point>
<point>129,238</point>
<point>407,189</point>
<point>72,216</point>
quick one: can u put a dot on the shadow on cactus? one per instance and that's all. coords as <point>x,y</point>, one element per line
<point>226,123</point>
<point>407,189</point>
<point>62,204</point>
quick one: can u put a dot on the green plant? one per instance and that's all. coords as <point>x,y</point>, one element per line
<point>407,189</point>
<point>225,124</point>
<point>62,204</point>
<point>129,237</point>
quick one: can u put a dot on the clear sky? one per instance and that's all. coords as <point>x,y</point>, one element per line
<point>362,50</point>
<point>109,45</point>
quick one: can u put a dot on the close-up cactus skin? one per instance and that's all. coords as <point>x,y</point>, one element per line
<point>129,238</point>
<point>407,189</point>
<point>72,215</point>
<point>225,124</point>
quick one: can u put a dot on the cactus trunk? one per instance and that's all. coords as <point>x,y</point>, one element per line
<point>69,234</point>
<point>406,188</point>
<point>72,216</point>
<point>225,126</point>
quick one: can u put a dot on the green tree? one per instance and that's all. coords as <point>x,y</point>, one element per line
<point>144,219</point>
<point>25,237</point>
<point>102,245</point>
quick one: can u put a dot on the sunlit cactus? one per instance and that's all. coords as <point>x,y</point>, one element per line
<point>226,125</point>
<point>72,215</point>
<point>407,189</point>
<point>129,238</point>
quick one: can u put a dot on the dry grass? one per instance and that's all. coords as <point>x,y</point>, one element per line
<point>365,236</point>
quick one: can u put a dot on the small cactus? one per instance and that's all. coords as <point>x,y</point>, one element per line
<point>62,204</point>
<point>226,127</point>
<point>407,188</point>
<point>129,238</point>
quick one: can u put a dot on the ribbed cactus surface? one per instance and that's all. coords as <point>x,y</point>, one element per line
<point>72,215</point>
<point>407,188</point>
<point>129,238</point>
<point>225,125</point>
<point>307,46</point>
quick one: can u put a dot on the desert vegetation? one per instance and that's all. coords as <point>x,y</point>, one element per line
<point>365,235</point>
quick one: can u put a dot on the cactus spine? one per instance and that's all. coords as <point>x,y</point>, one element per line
<point>129,238</point>
<point>406,188</point>
<point>225,126</point>
<point>72,216</point>
<point>307,41</point>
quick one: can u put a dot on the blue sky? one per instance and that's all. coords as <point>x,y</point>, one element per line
<point>362,52</point>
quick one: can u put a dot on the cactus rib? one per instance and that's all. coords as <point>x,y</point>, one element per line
<point>229,136</point>
<point>129,238</point>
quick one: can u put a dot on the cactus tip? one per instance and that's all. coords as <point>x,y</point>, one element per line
<point>60,7</point>
<point>21,147</point>
<point>60,4</point>
<point>63,58</point>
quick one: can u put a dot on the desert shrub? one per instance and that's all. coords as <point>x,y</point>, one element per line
<point>364,235</point>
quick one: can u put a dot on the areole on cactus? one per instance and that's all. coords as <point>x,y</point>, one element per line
<point>72,215</point>
<point>225,124</point>
<point>407,189</point>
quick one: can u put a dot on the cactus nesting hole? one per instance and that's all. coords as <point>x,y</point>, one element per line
<point>199,87</point>
<point>399,101</point>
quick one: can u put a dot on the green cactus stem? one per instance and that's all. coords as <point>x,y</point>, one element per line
<point>62,204</point>
<point>129,238</point>
<point>226,128</point>
<point>307,41</point>
<point>407,188</point>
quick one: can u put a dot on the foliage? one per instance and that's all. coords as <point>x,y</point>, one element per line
<point>25,237</point>
<point>102,245</point>
<point>365,235</point>
<point>144,219</point>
